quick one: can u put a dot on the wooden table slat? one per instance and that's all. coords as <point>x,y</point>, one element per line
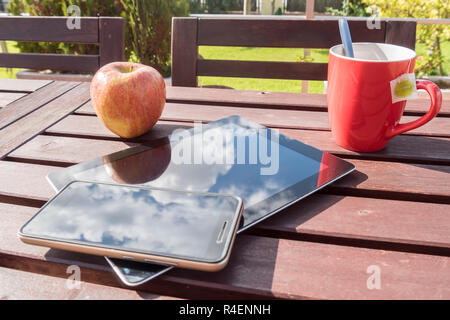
<point>385,224</point>
<point>397,222</point>
<point>392,212</point>
<point>293,119</point>
<point>27,127</point>
<point>20,285</point>
<point>8,97</point>
<point>22,85</point>
<point>16,110</point>
<point>375,175</point>
<point>404,148</point>
<point>284,100</point>
<point>403,224</point>
<point>259,267</point>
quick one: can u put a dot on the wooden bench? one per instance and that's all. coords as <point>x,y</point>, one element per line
<point>106,32</point>
<point>190,33</point>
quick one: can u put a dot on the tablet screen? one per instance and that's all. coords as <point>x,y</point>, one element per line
<point>269,171</point>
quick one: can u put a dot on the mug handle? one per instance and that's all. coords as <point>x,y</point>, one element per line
<point>436,102</point>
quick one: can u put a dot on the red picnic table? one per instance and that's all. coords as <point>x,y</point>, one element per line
<point>390,217</point>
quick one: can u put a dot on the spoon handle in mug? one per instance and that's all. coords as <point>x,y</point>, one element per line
<point>346,37</point>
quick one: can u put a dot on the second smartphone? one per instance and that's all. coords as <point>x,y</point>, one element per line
<point>178,228</point>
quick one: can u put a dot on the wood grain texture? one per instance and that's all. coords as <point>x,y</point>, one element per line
<point>8,97</point>
<point>386,224</point>
<point>60,62</point>
<point>32,102</point>
<point>275,118</point>
<point>287,33</point>
<point>402,33</point>
<point>31,75</point>
<point>278,100</point>
<point>107,32</point>
<point>64,151</point>
<point>22,85</point>
<point>24,180</point>
<point>259,267</point>
<point>413,182</point>
<point>92,127</point>
<point>391,212</point>
<point>112,39</point>
<point>20,285</point>
<point>184,52</point>
<point>262,69</point>
<point>52,29</point>
<point>373,178</point>
<point>24,129</point>
<point>413,147</point>
<point>189,33</point>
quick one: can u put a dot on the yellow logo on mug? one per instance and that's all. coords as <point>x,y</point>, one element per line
<point>404,88</point>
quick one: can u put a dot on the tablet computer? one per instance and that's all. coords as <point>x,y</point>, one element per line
<point>268,170</point>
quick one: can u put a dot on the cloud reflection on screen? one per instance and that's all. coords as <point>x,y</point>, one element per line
<point>137,219</point>
<point>243,180</point>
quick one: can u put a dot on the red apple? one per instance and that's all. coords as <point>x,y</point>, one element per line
<point>128,97</point>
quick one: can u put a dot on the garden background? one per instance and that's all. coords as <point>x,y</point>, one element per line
<point>148,33</point>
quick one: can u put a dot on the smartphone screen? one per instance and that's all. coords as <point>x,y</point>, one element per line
<point>177,224</point>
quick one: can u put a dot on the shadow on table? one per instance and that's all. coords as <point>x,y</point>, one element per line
<point>160,131</point>
<point>438,152</point>
<point>253,264</point>
<point>417,150</point>
<point>94,269</point>
<point>294,216</point>
<point>250,272</point>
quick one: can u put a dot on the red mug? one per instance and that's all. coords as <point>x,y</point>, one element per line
<point>363,116</point>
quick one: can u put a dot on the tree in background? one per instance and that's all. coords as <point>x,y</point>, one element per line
<point>147,31</point>
<point>431,35</point>
<point>215,6</point>
<point>350,8</point>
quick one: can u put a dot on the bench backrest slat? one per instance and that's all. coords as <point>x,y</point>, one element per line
<point>62,62</point>
<point>106,32</point>
<point>51,29</point>
<point>283,33</point>
<point>189,33</point>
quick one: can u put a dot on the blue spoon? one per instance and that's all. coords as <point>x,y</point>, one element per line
<point>346,37</point>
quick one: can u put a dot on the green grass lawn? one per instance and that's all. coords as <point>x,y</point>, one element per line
<point>260,54</point>
<point>280,54</point>
<point>445,47</point>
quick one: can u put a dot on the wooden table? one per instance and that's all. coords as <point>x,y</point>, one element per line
<point>392,213</point>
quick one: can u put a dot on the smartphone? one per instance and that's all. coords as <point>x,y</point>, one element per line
<point>186,229</point>
<point>134,274</point>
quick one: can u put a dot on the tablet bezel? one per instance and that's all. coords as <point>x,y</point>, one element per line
<point>338,169</point>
